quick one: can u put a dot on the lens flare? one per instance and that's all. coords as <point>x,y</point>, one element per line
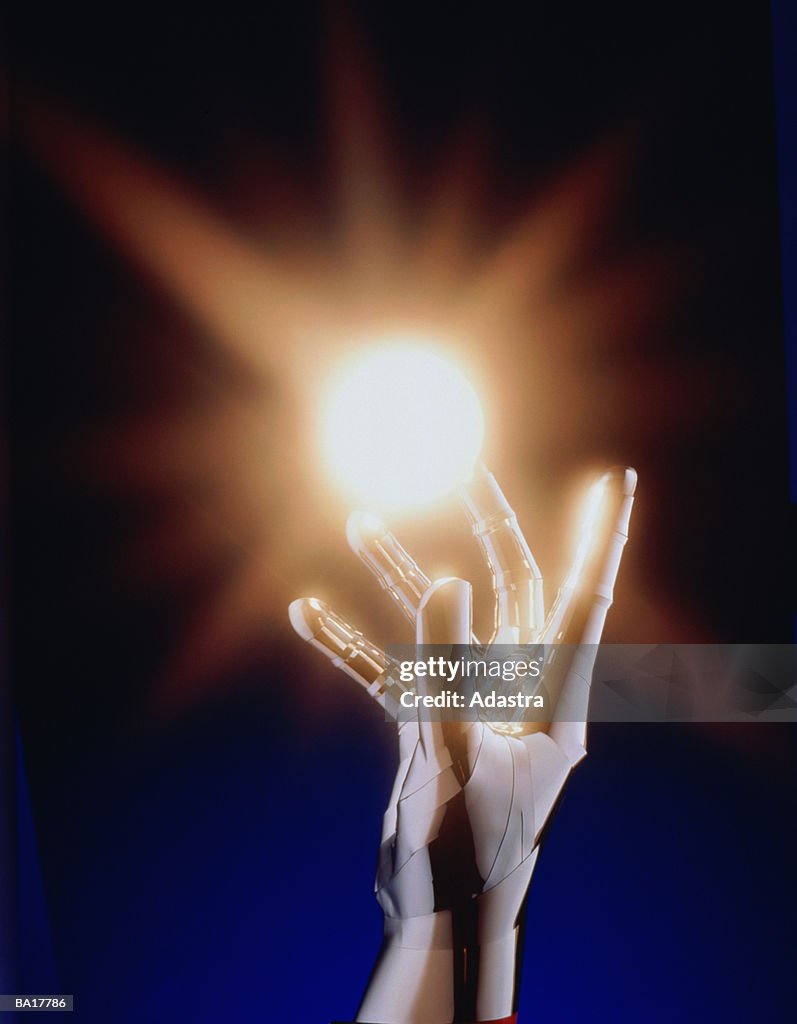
<point>401,427</point>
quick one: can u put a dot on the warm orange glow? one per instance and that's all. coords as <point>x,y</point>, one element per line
<point>248,501</point>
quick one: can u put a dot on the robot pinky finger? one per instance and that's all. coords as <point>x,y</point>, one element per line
<point>344,645</point>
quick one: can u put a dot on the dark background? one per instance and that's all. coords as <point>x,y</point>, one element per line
<point>215,863</point>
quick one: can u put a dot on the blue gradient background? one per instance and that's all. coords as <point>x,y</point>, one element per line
<point>231,879</point>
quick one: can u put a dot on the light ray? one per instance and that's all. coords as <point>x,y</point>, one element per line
<point>229,483</point>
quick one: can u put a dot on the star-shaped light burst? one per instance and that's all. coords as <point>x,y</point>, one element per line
<point>231,475</point>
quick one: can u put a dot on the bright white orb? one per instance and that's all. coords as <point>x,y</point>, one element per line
<point>401,427</point>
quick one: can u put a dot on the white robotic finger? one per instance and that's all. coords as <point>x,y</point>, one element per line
<point>381,553</point>
<point>516,577</point>
<point>585,602</point>
<point>345,646</point>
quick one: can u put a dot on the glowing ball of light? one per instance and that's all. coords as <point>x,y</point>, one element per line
<point>401,426</point>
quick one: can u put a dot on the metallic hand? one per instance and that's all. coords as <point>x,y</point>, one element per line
<point>470,800</point>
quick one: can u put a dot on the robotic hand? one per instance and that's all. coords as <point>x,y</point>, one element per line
<point>470,800</point>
